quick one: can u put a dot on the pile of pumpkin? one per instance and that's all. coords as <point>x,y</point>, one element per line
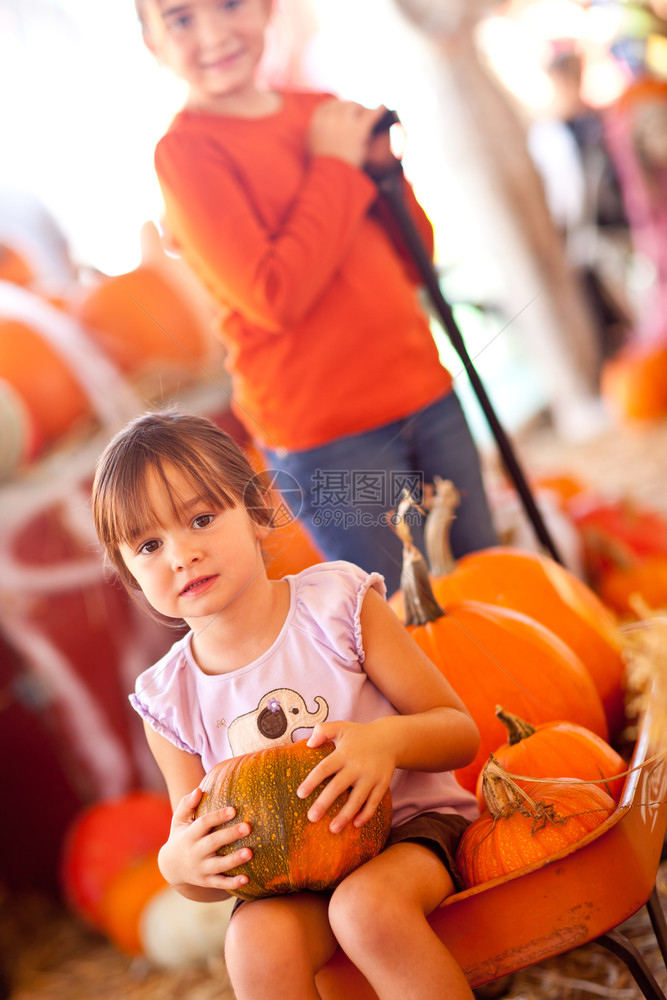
<point>515,629</point>
<point>90,352</point>
<point>110,878</point>
<point>623,543</point>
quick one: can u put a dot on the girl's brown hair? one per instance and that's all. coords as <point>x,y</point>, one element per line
<point>155,442</point>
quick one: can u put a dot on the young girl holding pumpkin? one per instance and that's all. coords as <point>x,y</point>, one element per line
<point>271,197</point>
<point>181,517</point>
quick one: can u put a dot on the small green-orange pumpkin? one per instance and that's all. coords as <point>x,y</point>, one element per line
<point>290,853</point>
<point>517,830</point>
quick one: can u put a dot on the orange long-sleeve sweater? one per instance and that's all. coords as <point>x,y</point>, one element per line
<point>322,326</point>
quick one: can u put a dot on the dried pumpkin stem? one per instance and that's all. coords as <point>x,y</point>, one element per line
<point>502,795</point>
<point>517,728</point>
<point>446,499</point>
<point>419,603</point>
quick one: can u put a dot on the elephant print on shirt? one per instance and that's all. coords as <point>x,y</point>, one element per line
<point>279,714</point>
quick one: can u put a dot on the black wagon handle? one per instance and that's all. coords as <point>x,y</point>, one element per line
<point>391,186</point>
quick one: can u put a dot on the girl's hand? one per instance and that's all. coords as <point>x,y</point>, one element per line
<point>189,857</point>
<point>362,763</point>
<point>342,129</point>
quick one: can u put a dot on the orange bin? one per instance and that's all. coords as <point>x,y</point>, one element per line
<point>570,899</point>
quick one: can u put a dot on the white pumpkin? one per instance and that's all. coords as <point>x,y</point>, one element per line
<point>177,932</point>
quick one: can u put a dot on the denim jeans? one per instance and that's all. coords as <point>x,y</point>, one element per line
<point>350,484</point>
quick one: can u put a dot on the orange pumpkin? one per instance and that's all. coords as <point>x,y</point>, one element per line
<point>288,548</point>
<point>104,840</point>
<point>491,654</point>
<point>538,587</point>
<point>125,899</point>
<point>53,396</point>
<point>555,750</point>
<point>516,831</point>
<point>289,852</point>
<point>563,487</point>
<point>645,578</point>
<point>139,319</point>
<point>634,381</point>
<point>14,267</point>
<point>616,532</point>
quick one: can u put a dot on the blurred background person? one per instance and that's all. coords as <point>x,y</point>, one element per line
<point>569,148</point>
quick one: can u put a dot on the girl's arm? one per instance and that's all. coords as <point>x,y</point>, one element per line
<point>188,860</point>
<point>272,275</point>
<point>433,732</point>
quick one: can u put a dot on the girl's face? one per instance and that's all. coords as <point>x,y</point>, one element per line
<point>194,561</point>
<point>213,45</point>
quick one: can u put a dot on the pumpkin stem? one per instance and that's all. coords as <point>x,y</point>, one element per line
<point>502,795</point>
<point>419,603</point>
<point>443,504</point>
<point>517,728</point>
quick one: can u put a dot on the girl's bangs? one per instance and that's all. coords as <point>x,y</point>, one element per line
<point>132,514</point>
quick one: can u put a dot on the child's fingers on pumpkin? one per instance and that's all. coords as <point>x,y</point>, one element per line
<point>223,815</point>
<point>185,808</point>
<point>226,865</point>
<point>370,806</point>
<point>206,823</point>
<point>237,881</point>
<point>339,785</point>
<point>325,799</point>
<point>322,732</point>
<point>230,882</point>
<point>325,769</point>
<point>354,808</point>
<point>228,835</point>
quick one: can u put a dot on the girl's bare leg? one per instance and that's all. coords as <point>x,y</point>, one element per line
<point>274,947</point>
<point>378,915</point>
